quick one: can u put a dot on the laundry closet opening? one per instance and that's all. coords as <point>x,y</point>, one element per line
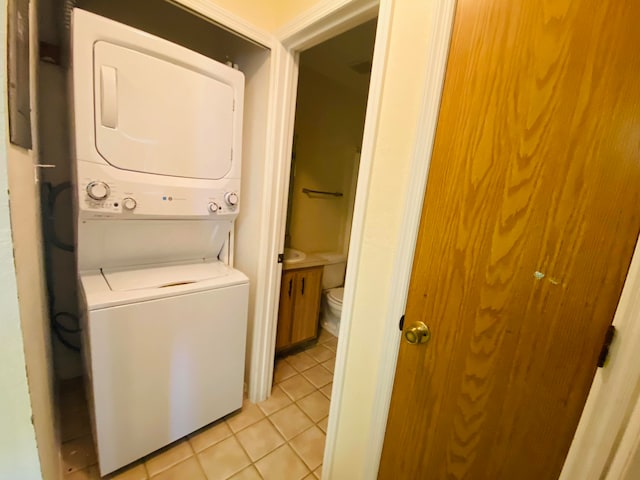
<point>234,248</point>
<point>331,104</point>
<point>178,25</point>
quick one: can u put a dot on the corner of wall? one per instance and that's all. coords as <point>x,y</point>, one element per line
<point>18,449</point>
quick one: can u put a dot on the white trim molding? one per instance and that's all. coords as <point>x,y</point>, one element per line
<point>274,203</point>
<point>321,22</point>
<point>209,11</point>
<point>382,41</point>
<point>325,20</point>
<point>626,461</point>
<point>436,61</point>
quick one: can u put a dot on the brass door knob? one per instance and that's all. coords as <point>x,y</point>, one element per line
<point>417,333</point>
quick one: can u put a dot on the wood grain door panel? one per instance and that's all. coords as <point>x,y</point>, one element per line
<point>285,311</point>
<point>528,227</point>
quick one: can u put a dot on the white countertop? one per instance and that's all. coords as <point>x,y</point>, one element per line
<point>310,260</point>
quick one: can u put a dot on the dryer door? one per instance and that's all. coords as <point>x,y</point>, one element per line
<point>154,116</point>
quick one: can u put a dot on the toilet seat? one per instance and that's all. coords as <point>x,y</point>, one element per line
<point>335,295</point>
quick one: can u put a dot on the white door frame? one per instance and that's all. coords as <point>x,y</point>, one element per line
<point>613,394</point>
<point>323,21</point>
<point>436,60</point>
<point>209,10</point>
<point>626,461</point>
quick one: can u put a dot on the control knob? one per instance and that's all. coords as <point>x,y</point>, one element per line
<point>231,198</point>
<point>213,207</point>
<point>129,203</point>
<point>98,190</point>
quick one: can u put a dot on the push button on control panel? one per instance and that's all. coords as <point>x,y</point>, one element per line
<point>213,207</point>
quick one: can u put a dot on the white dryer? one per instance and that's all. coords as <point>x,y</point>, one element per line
<point>157,148</point>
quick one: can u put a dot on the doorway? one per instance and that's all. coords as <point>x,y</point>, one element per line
<point>331,103</point>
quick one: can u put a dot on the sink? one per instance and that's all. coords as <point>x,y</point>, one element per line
<point>292,255</point>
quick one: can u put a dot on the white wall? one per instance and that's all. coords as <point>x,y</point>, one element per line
<point>268,15</point>
<point>18,451</point>
<point>625,463</point>
<point>328,130</point>
<point>256,66</point>
<point>24,199</point>
<point>396,134</point>
<point>32,301</point>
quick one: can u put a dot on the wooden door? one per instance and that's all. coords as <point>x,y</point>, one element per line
<point>531,214</point>
<point>307,304</point>
<point>285,310</point>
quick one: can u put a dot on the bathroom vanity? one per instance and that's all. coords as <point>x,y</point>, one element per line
<point>300,293</point>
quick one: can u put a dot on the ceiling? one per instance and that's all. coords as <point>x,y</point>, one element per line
<point>336,57</point>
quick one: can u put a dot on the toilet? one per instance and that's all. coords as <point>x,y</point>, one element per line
<point>332,290</point>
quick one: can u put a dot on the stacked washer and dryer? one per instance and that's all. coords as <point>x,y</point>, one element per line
<point>157,148</point>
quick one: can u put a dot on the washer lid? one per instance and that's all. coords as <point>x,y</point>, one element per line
<point>122,280</point>
<point>155,116</point>
<point>98,293</point>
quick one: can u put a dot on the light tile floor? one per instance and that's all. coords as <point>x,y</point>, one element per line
<point>281,438</point>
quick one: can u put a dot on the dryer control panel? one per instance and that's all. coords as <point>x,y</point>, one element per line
<point>101,195</point>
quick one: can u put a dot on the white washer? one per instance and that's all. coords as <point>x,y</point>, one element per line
<point>164,352</point>
<point>157,147</point>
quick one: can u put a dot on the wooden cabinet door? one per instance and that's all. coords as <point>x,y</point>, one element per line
<point>285,312</point>
<point>308,286</point>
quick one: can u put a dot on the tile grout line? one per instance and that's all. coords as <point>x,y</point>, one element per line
<point>313,424</point>
<point>296,452</point>
<point>235,435</point>
<point>195,454</point>
<point>287,442</point>
<point>303,412</point>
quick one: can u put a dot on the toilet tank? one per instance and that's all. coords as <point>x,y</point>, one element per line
<point>335,268</point>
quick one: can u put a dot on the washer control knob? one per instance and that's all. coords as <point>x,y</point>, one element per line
<point>213,207</point>
<point>98,190</point>
<point>129,203</point>
<point>231,198</point>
